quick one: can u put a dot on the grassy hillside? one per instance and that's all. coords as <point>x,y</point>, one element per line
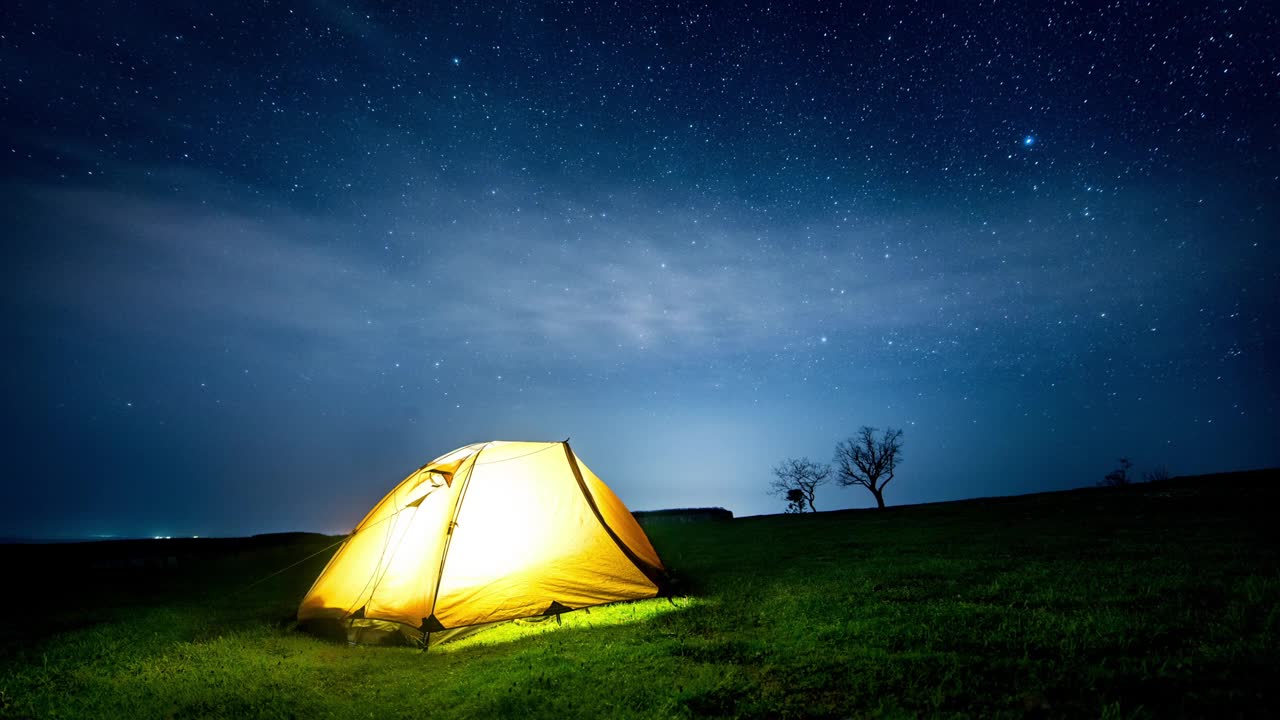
<point>1150,601</point>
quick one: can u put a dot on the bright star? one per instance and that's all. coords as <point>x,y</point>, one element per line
<point>456,61</point>
<point>1029,140</point>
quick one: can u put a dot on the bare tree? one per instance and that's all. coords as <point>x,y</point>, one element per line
<point>1156,474</point>
<point>1118,477</point>
<point>797,480</point>
<point>869,460</point>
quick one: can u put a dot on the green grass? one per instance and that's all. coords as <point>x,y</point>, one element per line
<point>1151,601</point>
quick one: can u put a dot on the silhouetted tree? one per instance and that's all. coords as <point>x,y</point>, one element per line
<point>1156,473</point>
<point>869,460</point>
<point>799,479</point>
<point>795,500</point>
<point>1118,477</point>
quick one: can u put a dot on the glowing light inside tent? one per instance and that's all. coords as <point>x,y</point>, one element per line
<point>502,540</point>
<point>523,529</point>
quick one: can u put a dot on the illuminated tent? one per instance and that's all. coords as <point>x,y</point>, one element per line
<point>489,532</point>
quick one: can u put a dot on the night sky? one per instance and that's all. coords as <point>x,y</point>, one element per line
<point>263,260</point>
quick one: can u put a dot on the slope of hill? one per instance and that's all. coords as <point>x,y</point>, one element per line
<point>1149,601</point>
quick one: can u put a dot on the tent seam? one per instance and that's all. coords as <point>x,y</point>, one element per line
<point>449,528</point>
<point>651,573</point>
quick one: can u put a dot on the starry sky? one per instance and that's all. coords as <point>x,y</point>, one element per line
<point>261,260</point>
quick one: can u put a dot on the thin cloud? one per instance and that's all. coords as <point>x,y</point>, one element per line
<point>171,265</point>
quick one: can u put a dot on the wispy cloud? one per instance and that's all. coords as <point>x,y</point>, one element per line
<point>178,265</point>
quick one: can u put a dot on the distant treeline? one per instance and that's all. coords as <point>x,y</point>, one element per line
<point>680,515</point>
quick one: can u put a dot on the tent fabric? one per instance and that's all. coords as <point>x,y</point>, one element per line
<point>489,532</point>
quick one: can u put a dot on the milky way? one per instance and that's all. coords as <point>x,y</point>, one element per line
<point>262,261</point>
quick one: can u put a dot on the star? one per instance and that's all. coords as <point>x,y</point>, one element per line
<point>449,207</point>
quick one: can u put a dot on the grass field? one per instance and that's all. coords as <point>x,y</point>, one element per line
<point>1149,601</point>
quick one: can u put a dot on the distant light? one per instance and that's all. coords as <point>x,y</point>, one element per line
<point>1029,140</point>
<point>456,61</point>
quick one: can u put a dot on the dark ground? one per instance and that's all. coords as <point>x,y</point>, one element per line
<point>1156,600</point>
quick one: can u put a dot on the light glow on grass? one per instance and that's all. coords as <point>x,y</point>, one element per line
<point>916,611</point>
<point>601,616</point>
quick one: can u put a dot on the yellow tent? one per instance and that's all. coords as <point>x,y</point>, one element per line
<point>489,532</point>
